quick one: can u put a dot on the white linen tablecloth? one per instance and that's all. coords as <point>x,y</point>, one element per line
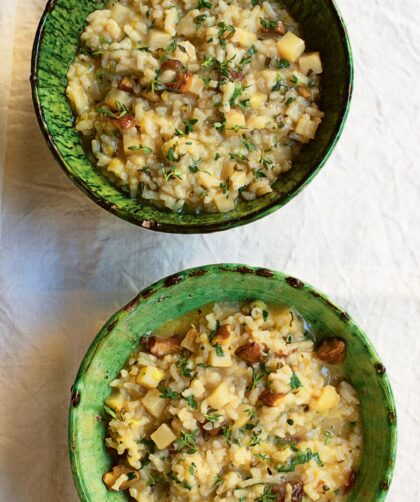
<point>66,265</point>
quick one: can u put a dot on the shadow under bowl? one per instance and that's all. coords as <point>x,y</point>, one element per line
<point>188,290</point>
<point>55,46</point>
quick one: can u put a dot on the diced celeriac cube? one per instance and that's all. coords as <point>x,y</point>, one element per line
<point>243,415</point>
<point>153,403</point>
<point>115,401</point>
<point>78,98</point>
<point>220,396</point>
<point>190,339</point>
<point>186,26</point>
<point>290,47</point>
<point>150,377</point>
<point>257,100</point>
<point>258,122</point>
<point>116,166</point>
<point>234,118</point>
<point>157,39</point>
<point>328,399</point>
<point>310,62</point>
<point>244,38</point>
<point>238,180</point>
<point>220,361</point>
<point>117,98</point>
<point>224,203</point>
<point>171,18</point>
<point>306,128</point>
<point>120,13</point>
<point>163,437</point>
<point>207,180</point>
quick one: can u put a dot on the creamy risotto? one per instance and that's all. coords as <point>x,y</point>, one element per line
<point>192,104</point>
<point>234,402</point>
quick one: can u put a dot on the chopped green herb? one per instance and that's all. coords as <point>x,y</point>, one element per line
<point>206,82</point>
<point>168,50</point>
<point>213,332</point>
<point>213,417</point>
<point>327,437</point>
<point>192,403</point>
<point>224,187</point>
<point>140,148</point>
<point>183,365</point>
<point>255,439</point>
<point>238,156</point>
<point>290,101</point>
<point>186,442</point>
<point>203,4</point>
<point>294,79</point>
<point>282,63</point>
<point>254,2</point>
<point>268,24</point>
<point>199,20</point>
<point>259,173</point>
<point>194,166</point>
<point>217,481</point>
<point>300,458</point>
<point>122,111</point>
<point>143,49</point>
<point>268,495</point>
<point>170,173</point>
<point>110,412</point>
<point>208,62</point>
<point>171,154</point>
<point>191,468</point>
<point>219,350</point>
<point>227,433</point>
<point>226,31</point>
<point>167,393</point>
<point>295,383</point>
<point>189,125</point>
<point>262,456</point>
<point>265,314</point>
<point>279,84</point>
<point>217,156</point>
<point>251,413</point>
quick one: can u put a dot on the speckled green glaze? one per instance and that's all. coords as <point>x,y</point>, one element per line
<point>180,293</point>
<point>54,48</point>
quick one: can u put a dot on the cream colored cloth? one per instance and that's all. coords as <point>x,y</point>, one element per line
<point>66,265</point>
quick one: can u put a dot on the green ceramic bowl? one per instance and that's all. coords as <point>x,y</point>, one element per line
<point>180,293</point>
<point>54,48</point>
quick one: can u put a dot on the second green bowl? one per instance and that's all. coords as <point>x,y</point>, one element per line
<point>188,290</point>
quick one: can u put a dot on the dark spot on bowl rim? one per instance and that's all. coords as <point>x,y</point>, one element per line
<point>296,283</point>
<point>264,272</point>
<point>111,326</point>
<point>244,270</point>
<point>344,316</point>
<point>172,280</point>
<point>283,197</point>
<point>380,369</point>
<point>392,417</point>
<point>197,273</point>
<point>132,304</point>
<point>385,485</point>
<point>75,398</point>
